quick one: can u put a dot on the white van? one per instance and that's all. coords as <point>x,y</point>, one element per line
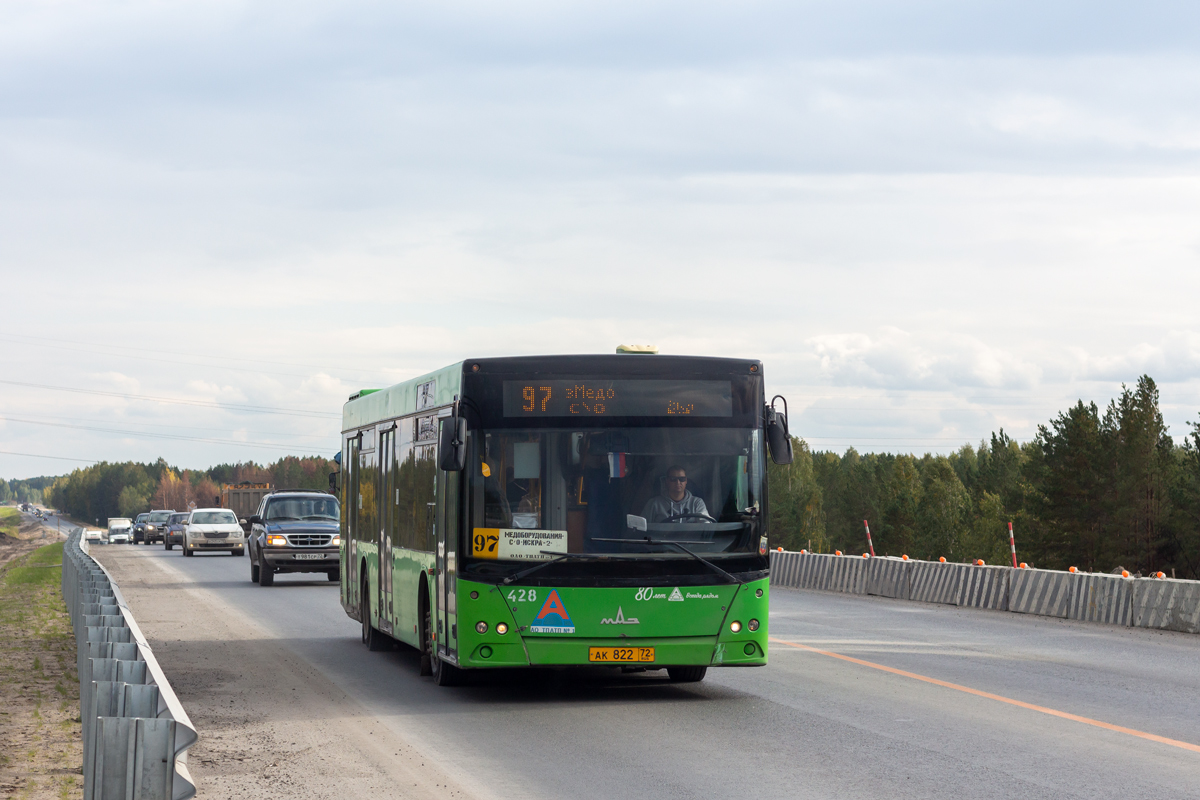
<point>213,529</point>
<point>121,528</point>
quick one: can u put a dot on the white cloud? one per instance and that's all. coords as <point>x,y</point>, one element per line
<point>943,218</point>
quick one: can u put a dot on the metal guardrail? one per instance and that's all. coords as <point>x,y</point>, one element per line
<point>1159,603</point>
<point>135,731</point>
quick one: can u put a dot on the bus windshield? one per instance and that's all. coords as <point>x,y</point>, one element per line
<point>538,494</point>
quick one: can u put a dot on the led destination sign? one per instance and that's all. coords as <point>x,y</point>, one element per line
<point>619,398</point>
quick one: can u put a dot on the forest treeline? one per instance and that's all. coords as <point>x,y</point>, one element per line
<point>24,490</point>
<point>126,489</point>
<point>1094,489</point>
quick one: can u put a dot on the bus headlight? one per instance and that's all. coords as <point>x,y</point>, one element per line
<point>735,626</point>
<point>501,628</point>
<point>481,627</point>
<point>752,625</point>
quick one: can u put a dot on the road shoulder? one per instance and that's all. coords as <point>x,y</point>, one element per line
<point>270,724</point>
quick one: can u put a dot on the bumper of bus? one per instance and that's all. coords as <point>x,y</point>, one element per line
<point>682,651</point>
<point>724,647</point>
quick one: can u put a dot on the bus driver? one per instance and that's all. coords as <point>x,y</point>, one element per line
<point>677,502</point>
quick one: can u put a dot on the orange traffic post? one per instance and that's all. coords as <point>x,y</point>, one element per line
<point>1012,543</point>
<point>869,545</point>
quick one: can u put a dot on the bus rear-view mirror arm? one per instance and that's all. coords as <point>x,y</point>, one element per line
<point>452,443</point>
<point>779,440</point>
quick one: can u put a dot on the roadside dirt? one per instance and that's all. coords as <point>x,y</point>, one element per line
<point>270,725</point>
<point>28,535</point>
<point>40,749</point>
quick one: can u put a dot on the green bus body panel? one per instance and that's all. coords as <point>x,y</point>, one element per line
<point>409,568</point>
<point>693,631</point>
<point>401,399</point>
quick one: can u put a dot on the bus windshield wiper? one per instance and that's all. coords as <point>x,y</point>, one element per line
<point>701,559</point>
<point>561,557</point>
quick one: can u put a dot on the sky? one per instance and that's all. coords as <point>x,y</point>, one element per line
<point>929,219</point>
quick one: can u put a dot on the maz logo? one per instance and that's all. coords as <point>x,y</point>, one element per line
<point>620,620</point>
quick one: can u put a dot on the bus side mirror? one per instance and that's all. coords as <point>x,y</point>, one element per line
<point>452,445</point>
<point>779,441</point>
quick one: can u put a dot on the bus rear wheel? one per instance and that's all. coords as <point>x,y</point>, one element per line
<point>686,674</point>
<point>372,638</point>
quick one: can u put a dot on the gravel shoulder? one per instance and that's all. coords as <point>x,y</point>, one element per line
<point>270,724</point>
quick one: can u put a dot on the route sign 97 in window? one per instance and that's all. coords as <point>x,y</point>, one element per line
<point>617,398</point>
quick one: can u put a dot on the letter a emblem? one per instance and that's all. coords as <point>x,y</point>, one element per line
<point>553,618</point>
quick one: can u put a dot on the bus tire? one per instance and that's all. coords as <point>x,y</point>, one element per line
<point>686,674</point>
<point>426,663</point>
<point>445,674</point>
<point>372,638</point>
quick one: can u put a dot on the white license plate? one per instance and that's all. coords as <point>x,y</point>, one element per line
<point>309,556</point>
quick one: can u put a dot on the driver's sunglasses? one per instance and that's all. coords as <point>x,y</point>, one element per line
<point>680,479</point>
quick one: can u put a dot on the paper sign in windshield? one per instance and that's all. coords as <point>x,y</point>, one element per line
<point>517,544</point>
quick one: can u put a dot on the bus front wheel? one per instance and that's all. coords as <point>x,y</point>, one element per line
<point>686,674</point>
<point>444,673</point>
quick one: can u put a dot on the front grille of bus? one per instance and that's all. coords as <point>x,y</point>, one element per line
<point>309,539</point>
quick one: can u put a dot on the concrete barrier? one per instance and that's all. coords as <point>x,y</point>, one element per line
<point>985,587</point>
<point>1039,591</point>
<point>846,574</point>
<point>1166,605</point>
<point>135,732</point>
<point>888,577</point>
<point>1101,598</point>
<point>799,570</point>
<point>1156,603</point>
<point>935,582</point>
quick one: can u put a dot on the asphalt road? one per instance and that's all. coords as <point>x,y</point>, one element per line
<point>807,725</point>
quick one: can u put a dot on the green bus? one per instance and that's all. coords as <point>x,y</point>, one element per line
<point>562,511</point>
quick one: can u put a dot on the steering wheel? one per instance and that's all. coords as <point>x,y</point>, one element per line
<point>687,514</point>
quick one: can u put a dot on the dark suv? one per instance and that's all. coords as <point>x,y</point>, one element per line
<point>152,528</point>
<point>174,530</point>
<point>294,531</point>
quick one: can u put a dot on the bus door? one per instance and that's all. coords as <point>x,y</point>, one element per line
<point>446,524</point>
<point>387,510</point>
<point>350,531</point>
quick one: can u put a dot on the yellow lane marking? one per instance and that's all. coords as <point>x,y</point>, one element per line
<point>999,698</point>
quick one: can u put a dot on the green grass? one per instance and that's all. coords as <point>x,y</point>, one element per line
<point>10,520</point>
<point>28,571</point>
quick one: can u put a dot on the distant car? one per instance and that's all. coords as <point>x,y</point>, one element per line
<point>120,536</point>
<point>213,529</point>
<point>92,536</point>
<point>175,527</point>
<point>139,526</point>
<point>154,527</point>
<point>294,531</point>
